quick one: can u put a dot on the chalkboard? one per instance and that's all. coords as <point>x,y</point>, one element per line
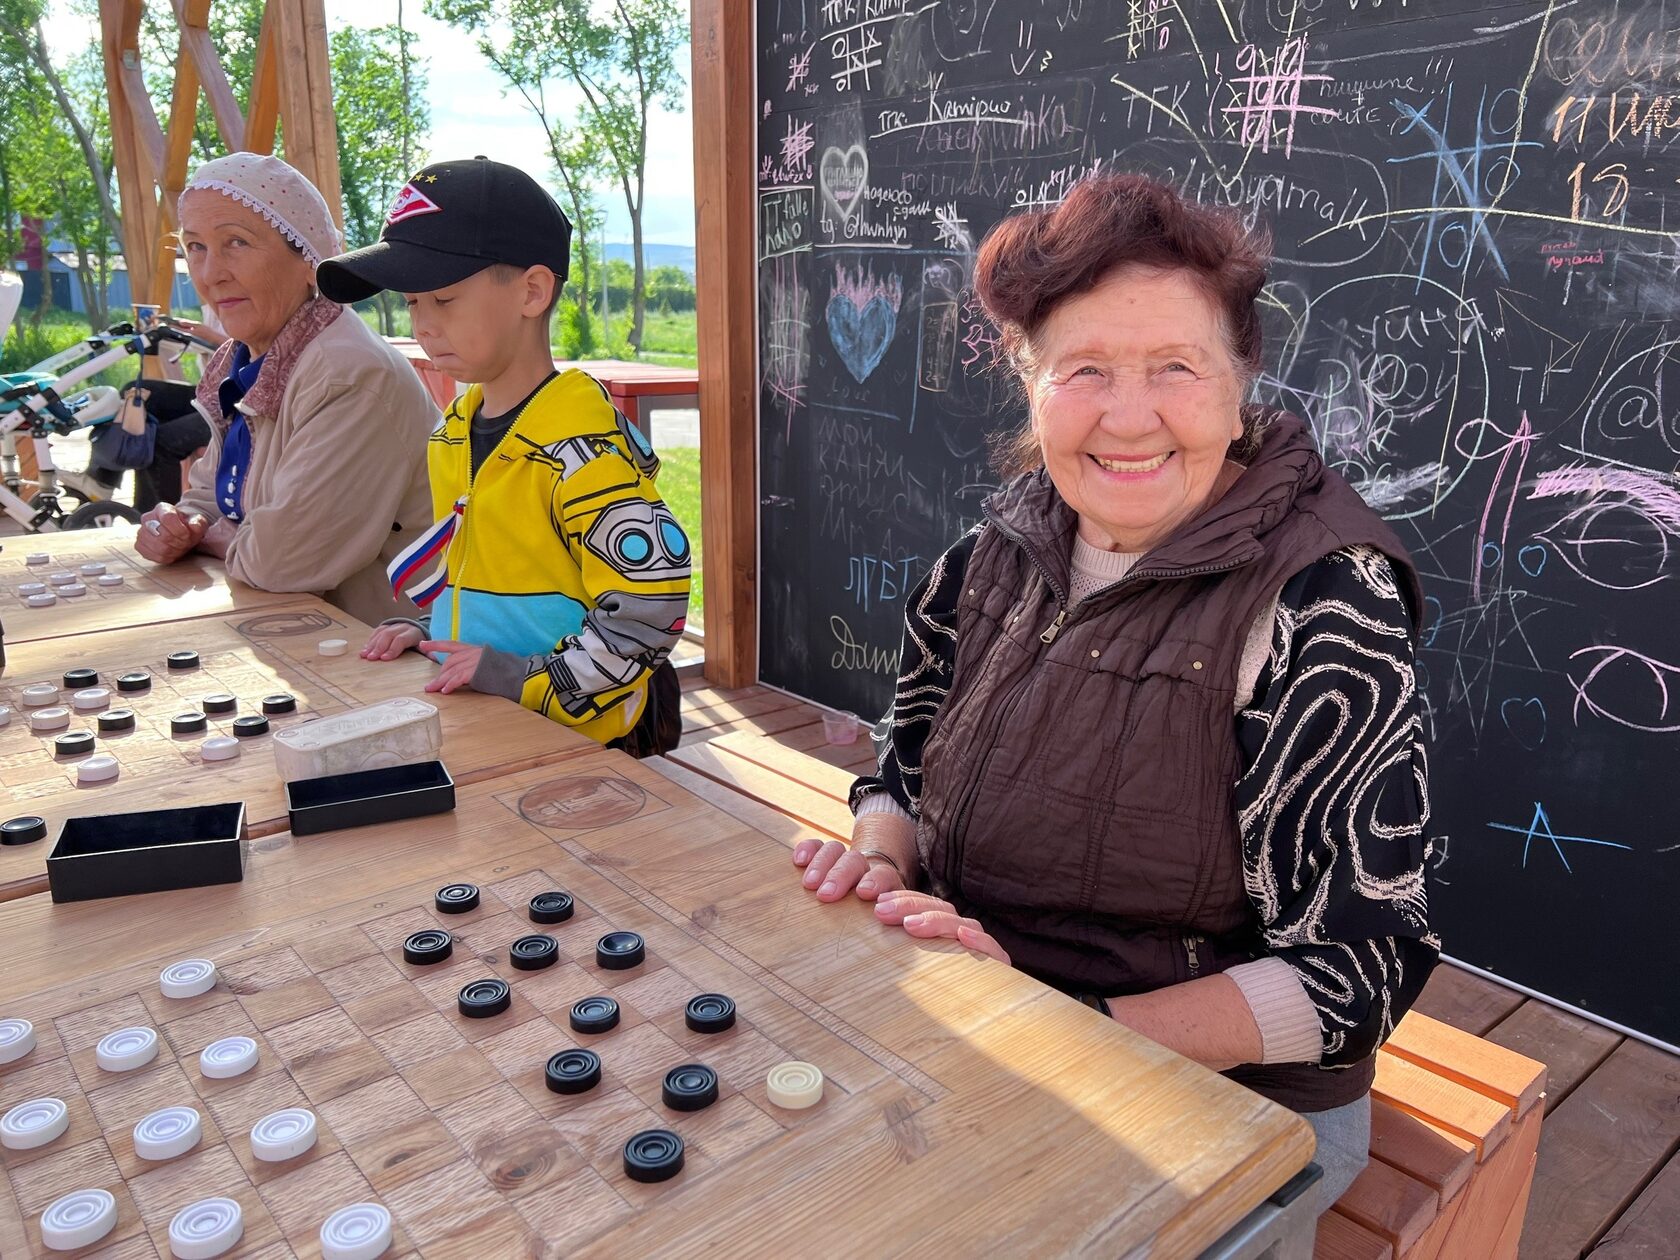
<point>1475,302</point>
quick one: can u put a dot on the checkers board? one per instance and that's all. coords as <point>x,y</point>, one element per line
<point>967,1097</point>
<point>248,655</point>
<point>195,586</point>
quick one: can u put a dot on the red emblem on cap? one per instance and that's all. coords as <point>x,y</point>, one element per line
<point>409,203</point>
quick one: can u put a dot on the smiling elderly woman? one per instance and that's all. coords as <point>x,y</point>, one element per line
<point>315,475</point>
<point>1157,739</point>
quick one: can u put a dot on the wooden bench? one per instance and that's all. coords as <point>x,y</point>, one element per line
<point>1455,1120</point>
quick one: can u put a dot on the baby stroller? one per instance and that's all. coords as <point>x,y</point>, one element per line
<point>46,400</point>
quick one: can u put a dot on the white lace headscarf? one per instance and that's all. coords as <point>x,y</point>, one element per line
<point>280,194</point>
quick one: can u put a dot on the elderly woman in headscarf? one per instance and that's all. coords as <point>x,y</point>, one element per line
<point>315,475</point>
<point>1157,739</point>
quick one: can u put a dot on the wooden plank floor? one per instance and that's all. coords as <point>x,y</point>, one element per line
<point>1607,1184</point>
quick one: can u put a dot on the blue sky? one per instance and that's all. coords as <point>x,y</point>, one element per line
<point>470,115</point>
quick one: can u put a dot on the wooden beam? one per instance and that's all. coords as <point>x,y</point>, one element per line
<point>143,118</point>
<point>193,17</point>
<point>119,31</point>
<point>323,118</point>
<point>183,115</point>
<point>306,114</point>
<point>265,88</point>
<point>726,281</point>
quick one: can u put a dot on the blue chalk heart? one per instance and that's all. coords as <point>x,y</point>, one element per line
<point>1533,559</point>
<point>1525,718</point>
<point>861,337</point>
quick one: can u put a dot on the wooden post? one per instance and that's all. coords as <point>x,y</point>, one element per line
<point>151,164</point>
<point>307,125</point>
<point>119,22</point>
<point>726,260</point>
<point>265,89</point>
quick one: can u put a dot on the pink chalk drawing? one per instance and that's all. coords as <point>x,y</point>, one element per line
<point>1273,93</point>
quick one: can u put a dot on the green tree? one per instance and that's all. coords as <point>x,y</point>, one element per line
<point>55,143</point>
<point>22,37</point>
<point>620,56</point>
<point>376,125</point>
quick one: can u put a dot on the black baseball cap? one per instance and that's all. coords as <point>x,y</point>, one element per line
<point>451,221</point>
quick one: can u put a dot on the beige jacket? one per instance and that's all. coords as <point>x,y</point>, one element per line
<point>337,486</point>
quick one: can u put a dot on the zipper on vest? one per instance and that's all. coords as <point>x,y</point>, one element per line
<point>1191,955</point>
<point>1054,628</point>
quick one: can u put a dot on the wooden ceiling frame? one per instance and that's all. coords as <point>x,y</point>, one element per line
<point>291,91</point>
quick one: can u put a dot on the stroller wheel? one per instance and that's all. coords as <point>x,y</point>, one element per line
<point>98,513</point>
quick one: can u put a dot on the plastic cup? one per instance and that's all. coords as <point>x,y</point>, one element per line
<point>840,728</point>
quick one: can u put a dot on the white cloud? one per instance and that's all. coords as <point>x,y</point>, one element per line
<point>471,114</point>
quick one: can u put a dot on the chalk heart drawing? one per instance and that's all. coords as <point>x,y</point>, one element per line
<point>861,335</point>
<point>1525,718</point>
<point>844,174</point>
<point>1532,558</point>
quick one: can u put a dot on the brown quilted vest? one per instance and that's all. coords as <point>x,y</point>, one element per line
<point>1078,782</point>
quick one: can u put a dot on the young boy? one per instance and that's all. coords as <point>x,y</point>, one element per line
<point>564,582</point>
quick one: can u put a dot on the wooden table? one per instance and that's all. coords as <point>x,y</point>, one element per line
<point>192,587</point>
<point>249,655</point>
<point>639,388</point>
<point>964,1101</point>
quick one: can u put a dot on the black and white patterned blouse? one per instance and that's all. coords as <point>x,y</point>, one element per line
<point>1333,762</point>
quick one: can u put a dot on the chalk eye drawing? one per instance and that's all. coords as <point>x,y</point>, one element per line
<point>1612,677</point>
<point>862,318</point>
<point>1622,536</point>
<point>843,176</point>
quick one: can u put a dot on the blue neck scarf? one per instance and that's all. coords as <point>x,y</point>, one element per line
<point>236,442</point>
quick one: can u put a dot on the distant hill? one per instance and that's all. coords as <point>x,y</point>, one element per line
<point>656,255</point>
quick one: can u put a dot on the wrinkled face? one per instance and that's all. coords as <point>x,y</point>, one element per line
<point>471,330</point>
<point>1135,399</point>
<point>242,267</point>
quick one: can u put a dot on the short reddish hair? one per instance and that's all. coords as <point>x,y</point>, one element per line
<point>1030,263</point>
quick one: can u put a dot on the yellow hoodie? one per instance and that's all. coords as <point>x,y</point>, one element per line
<point>564,554</point>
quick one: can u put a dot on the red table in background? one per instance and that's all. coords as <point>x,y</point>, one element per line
<point>635,388</point>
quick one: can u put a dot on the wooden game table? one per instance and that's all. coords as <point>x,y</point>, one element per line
<point>249,654</point>
<point>194,586</point>
<point>965,1104</point>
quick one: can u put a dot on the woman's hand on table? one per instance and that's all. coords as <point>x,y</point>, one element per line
<point>836,870</point>
<point>927,918</point>
<point>460,663</point>
<point>391,640</point>
<point>166,533</point>
<point>219,537</point>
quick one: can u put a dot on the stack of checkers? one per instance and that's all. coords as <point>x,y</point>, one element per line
<point>213,1225</point>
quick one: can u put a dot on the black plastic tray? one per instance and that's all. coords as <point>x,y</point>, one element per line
<point>364,797</point>
<point>115,855</point>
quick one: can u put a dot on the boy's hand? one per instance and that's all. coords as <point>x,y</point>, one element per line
<point>388,642</point>
<point>459,666</point>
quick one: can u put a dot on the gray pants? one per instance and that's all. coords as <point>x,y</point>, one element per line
<point>1344,1147</point>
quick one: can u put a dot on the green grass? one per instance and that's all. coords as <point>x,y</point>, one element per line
<point>679,486</point>
<point>669,339</point>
